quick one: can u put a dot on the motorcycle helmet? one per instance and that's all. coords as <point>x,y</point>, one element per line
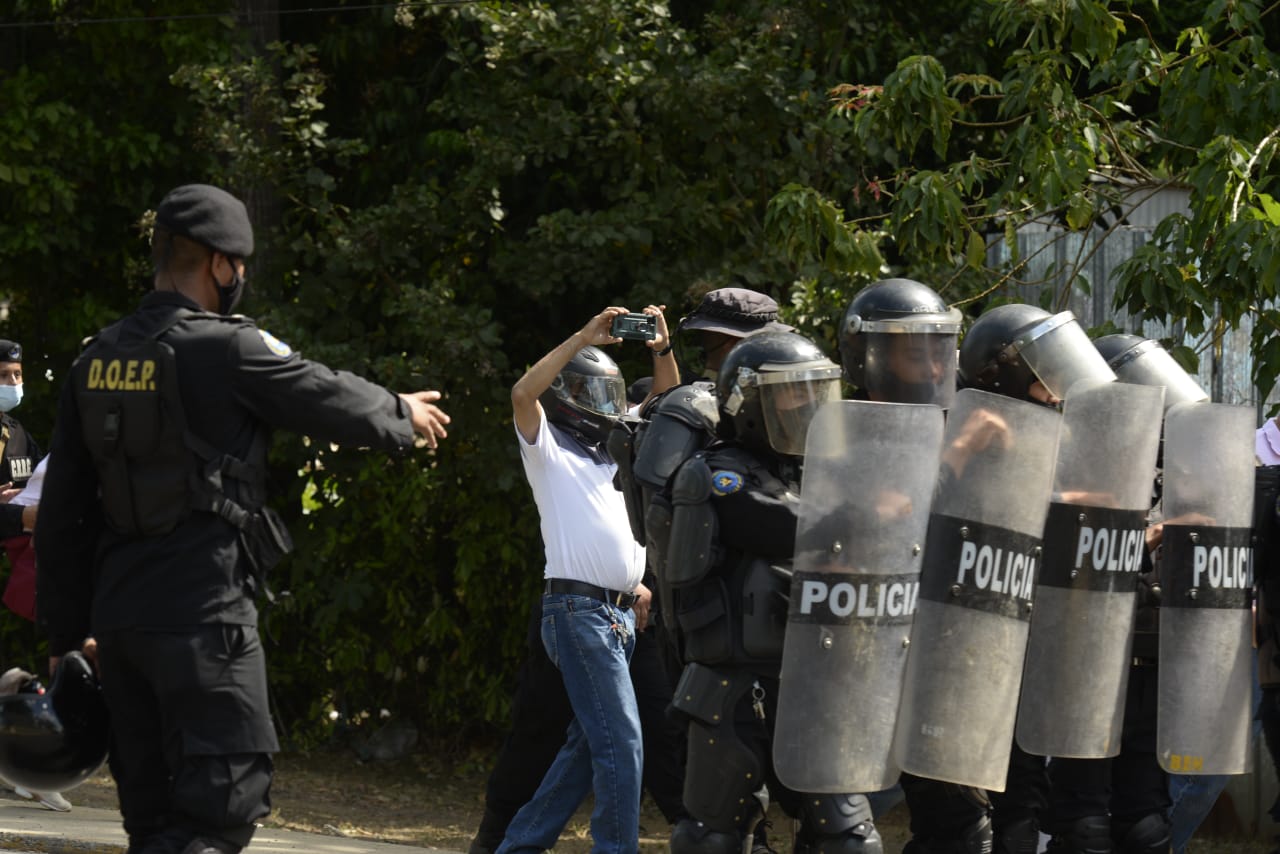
<point>587,396</point>
<point>53,740</point>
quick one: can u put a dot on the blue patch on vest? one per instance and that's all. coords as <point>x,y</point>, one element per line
<point>274,344</point>
<point>725,482</point>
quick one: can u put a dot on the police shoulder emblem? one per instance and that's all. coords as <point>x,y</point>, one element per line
<point>274,344</point>
<point>725,482</point>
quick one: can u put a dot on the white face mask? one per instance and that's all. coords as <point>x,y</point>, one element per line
<point>10,396</point>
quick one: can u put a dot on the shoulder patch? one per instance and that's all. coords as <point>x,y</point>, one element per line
<point>274,344</point>
<point>725,482</point>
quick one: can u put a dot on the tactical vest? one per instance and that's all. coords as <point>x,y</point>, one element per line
<point>15,451</point>
<point>731,606</point>
<point>153,472</point>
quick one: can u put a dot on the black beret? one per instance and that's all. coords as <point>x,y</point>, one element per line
<point>209,216</point>
<point>10,351</point>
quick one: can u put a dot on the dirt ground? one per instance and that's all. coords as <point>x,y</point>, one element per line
<point>426,800</point>
<point>432,799</point>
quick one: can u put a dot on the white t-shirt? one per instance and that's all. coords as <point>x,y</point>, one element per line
<point>584,520</point>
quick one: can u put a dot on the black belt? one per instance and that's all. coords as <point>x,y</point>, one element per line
<point>582,588</point>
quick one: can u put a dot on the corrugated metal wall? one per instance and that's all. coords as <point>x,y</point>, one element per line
<point>1054,257</point>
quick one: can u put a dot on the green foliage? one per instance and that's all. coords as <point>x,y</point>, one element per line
<point>442,194</point>
<point>1096,105</point>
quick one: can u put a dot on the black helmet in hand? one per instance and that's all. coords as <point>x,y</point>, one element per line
<point>52,741</point>
<point>1142,361</point>
<point>1011,347</point>
<point>587,396</point>
<point>769,387</point>
<point>898,343</point>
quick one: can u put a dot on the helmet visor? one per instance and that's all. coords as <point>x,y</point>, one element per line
<point>601,395</point>
<point>1151,364</point>
<point>911,367</point>
<point>789,400</point>
<point>1060,354</point>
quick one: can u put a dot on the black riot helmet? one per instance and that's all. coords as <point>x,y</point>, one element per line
<point>54,740</point>
<point>1142,361</point>
<point>898,343</point>
<point>769,387</point>
<point>1010,347</point>
<point>587,396</point>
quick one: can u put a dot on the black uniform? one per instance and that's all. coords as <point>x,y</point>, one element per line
<point>173,611</point>
<point>17,462</point>
<point>1123,799</point>
<point>732,624</point>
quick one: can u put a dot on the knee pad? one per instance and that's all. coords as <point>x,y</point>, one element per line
<point>694,837</point>
<point>977,838</point>
<point>837,824</point>
<point>1019,837</point>
<point>1088,835</point>
<point>1148,835</point>
<point>722,774</point>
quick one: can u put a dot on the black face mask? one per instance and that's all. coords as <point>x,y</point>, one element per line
<point>229,295</point>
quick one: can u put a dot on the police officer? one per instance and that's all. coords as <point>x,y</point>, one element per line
<point>898,345</point>
<point>20,450</point>
<point>731,603</point>
<point>1007,351</point>
<point>155,536</point>
<point>18,460</point>
<point>724,317</point>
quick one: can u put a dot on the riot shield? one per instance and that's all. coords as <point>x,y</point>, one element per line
<point>980,565</point>
<point>1207,575</point>
<point>864,509</point>
<point>1080,645</point>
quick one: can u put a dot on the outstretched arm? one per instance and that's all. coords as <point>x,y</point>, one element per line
<point>536,380</point>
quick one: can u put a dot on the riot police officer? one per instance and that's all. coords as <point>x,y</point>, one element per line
<point>1024,352</point>
<point>898,345</point>
<point>733,518</point>
<point>1127,796</point>
<point>154,534</point>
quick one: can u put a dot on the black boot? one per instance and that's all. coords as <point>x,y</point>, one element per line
<point>1088,835</point>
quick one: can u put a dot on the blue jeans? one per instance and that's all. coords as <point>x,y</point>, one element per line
<point>590,642</point>
<point>1194,795</point>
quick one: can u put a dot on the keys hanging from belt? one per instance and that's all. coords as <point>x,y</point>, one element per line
<point>757,700</point>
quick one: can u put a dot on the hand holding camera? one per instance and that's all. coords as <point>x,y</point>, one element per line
<point>634,327</point>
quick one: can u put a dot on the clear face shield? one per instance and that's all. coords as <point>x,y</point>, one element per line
<point>1150,364</point>
<point>1060,354</point>
<point>789,400</point>
<point>912,363</point>
<point>601,395</point>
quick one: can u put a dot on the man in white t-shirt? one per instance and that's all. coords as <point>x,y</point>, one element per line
<point>563,408</point>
